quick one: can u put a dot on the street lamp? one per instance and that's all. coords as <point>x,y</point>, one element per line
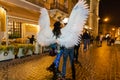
<point>106,19</point>
<point>65,20</point>
<point>113,29</point>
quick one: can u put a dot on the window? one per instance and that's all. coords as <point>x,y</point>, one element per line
<point>14,30</point>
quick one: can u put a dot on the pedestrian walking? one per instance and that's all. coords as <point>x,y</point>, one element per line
<point>101,39</point>
<point>76,50</point>
<point>86,40</point>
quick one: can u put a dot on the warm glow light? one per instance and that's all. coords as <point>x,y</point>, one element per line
<point>113,29</point>
<point>2,19</point>
<point>65,20</point>
<point>86,27</point>
<point>90,28</point>
<point>106,19</point>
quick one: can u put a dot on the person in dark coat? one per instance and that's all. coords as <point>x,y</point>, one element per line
<point>76,50</point>
<point>86,40</point>
<point>32,39</point>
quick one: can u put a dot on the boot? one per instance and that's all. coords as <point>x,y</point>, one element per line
<point>51,68</point>
<point>57,74</point>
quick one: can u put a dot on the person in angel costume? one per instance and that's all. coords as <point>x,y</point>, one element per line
<point>66,37</point>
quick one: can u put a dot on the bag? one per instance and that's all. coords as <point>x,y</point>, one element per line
<point>52,52</point>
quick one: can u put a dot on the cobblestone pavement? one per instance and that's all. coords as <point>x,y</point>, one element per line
<point>98,63</point>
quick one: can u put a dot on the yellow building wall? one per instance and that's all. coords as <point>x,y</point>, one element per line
<point>29,29</point>
<point>2,19</point>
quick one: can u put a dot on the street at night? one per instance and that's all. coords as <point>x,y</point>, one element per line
<point>32,31</point>
<point>98,63</point>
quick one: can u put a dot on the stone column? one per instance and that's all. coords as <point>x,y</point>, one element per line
<point>94,16</point>
<point>91,15</point>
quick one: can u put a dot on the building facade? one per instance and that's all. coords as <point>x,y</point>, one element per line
<point>22,21</point>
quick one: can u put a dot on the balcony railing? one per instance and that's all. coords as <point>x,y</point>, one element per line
<point>41,4</point>
<point>51,6</point>
<point>59,6</point>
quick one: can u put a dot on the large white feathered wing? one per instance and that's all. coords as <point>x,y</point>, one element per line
<point>45,35</point>
<point>74,27</point>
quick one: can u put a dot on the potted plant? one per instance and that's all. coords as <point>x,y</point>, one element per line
<point>20,50</point>
<point>30,48</point>
<point>3,48</point>
<point>10,47</point>
<point>16,50</point>
<point>6,52</point>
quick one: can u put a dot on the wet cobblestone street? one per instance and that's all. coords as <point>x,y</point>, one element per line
<point>98,63</point>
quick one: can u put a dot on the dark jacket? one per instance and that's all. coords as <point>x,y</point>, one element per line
<point>86,35</point>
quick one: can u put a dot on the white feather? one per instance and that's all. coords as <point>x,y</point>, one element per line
<point>70,33</point>
<point>45,35</point>
<point>77,19</point>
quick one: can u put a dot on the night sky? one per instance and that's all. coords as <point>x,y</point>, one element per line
<point>110,9</point>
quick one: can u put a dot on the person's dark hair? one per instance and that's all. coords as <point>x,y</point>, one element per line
<point>56,30</point>
<point>32,35</point>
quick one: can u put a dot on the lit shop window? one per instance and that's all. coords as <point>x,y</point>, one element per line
<point>14,30</point>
